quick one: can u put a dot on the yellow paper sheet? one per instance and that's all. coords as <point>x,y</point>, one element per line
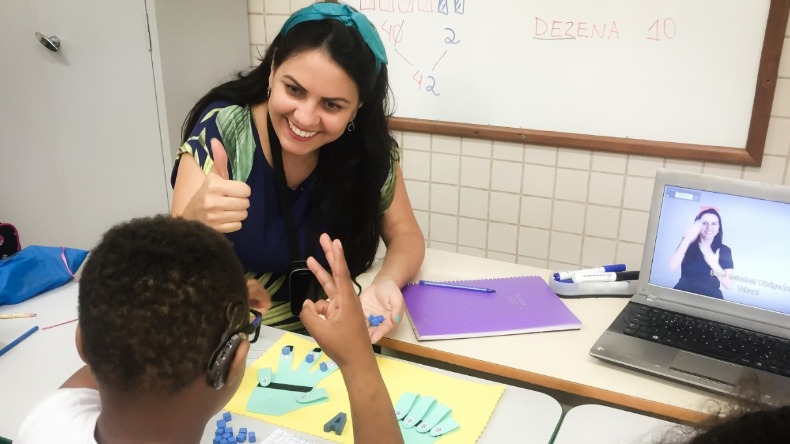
<point>471,402</point>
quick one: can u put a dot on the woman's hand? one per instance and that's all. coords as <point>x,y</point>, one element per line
<point>259,297</point>
<point>692,231</point>
<point>382,298</point>
<point>689,236</point>
<point>711,258</point>
<point>220,203</point>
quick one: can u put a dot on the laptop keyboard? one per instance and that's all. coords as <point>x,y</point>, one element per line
<point>709,338</point>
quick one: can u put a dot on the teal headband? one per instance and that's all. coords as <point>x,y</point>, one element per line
<point>346,15</point>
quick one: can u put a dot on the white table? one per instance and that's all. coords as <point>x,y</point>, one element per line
<point>46,359</point>
<point>597,424</point>
<point>556,360</point>
<point>43,361</point>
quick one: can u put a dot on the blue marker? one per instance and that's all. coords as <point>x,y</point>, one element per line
<point>606,268</point>
<point>16,341</point>
<point>457,287</point>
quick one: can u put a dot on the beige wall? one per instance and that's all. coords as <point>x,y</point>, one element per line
<point>550,207</point>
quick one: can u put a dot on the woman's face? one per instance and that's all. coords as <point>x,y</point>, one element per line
<point>710,226</point>
<point>311,103</point>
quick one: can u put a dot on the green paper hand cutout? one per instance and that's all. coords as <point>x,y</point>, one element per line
<point>422,419</point>
<point>288,389</point>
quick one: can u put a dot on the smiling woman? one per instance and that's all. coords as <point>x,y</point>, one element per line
<point>705,262</point>
<point>312,103</point>
<point>300,146</point>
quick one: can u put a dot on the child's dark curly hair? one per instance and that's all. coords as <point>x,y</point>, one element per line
<point>768,426</point>
<point>152,302</point>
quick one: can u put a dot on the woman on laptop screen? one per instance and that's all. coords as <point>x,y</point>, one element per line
<point>705,262</point>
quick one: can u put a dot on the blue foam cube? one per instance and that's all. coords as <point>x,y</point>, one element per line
<point>226,416</point>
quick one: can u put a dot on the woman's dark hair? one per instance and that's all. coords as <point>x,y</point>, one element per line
<point>719,238</point>
<point>352,169</point>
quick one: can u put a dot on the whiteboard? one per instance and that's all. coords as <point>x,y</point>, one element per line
<point>675,71</point>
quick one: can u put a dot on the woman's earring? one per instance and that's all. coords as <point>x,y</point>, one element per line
<point>350,126</point>
<point>268,91</point>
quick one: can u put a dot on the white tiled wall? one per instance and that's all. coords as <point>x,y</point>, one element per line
<point>544,206</point>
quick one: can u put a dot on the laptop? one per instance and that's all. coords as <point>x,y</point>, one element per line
<point>724,327</point>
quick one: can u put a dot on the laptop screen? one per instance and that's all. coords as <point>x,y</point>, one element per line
<point>723,246</point>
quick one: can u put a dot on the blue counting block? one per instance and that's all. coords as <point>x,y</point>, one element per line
<point>252,436</point>
<point>375,320</point>
<point>226,416</point>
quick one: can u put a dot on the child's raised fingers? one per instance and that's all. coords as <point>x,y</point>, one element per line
<point>326,244</point>
<point>323,277</point>
<point>340,272</point>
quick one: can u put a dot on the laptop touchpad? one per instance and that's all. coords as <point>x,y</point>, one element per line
<point>706,368</point>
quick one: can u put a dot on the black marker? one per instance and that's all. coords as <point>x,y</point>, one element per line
<point>605,277</point>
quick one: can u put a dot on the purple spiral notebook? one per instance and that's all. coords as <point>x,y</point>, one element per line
<point>521,304</point>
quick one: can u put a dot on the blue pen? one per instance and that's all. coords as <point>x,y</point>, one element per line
<point>457,287</point>
<point>18,340</point>
<point>606,268</point>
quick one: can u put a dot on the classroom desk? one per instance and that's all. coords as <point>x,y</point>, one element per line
<point>555,360</point>
<point>42,362</point>
<point>597,424</point>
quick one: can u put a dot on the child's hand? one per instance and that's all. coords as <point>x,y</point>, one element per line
<point>342,333</point>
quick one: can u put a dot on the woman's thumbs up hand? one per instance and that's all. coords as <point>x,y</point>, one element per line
<point>221,203</point>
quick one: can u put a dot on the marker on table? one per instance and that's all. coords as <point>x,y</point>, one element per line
<point>59,324</point>
<point>457,287</point>
<point>18,340</point>
<point>17,315</point>
<point>606,268</point>
<point>605,277</point>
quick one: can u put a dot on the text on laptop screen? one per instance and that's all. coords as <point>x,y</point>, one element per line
<point>723,246</point>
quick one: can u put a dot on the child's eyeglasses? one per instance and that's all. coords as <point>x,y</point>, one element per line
<point>253,329</point>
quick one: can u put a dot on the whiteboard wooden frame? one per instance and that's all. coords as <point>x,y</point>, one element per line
<point>752,154</point>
